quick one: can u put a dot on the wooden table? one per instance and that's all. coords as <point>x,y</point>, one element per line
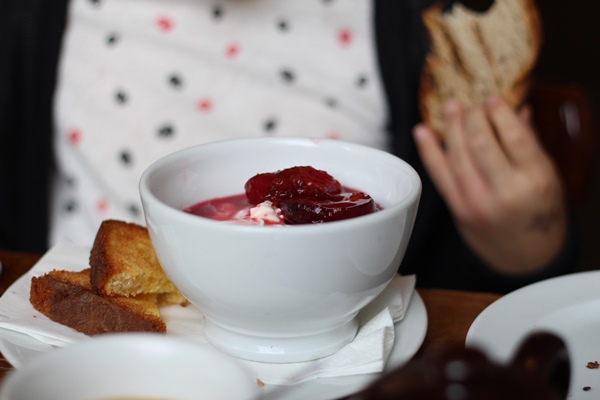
<point>450,313</point>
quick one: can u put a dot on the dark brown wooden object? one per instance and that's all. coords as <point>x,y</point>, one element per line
<point>564,118</point>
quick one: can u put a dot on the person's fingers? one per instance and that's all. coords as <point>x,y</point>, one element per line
<point>453,114</point>
<point>435,161</point>
<point>469,180</point>
<point>525,115</point>
<point>518,139</point>
<point>459,158</point>
<point>486,152</point>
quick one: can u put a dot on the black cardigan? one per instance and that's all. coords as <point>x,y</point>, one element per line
<point>30,41</point>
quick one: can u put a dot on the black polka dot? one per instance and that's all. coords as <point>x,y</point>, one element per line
<point>134,210</point>
<point>112,39</point>
<point>70,181</point>
<point>362,81</point>
<point>270,125</point>
<point>126,158</point>
<point>283,25</point>
<point>288,76</point>
<point>95,3</point>
<point>175,81</point>
<point>327,1</point>
<point>121,97</point>
<point>331,102</point>
<point>70,206</point>
<point>166,131</point>
<point>217,12</point>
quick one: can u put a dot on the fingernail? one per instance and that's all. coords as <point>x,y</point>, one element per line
<point>493,101</point>
<point>452,107</point>
<point>420,132</point>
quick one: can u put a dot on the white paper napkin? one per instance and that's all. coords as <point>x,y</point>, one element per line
<point>368,352</point>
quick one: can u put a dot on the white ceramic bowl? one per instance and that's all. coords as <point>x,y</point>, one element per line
<point>278,294</point>
<point>131,366</point>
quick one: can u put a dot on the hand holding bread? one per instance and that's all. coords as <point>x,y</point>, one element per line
<point>499,184</point>
<point>479,148</point>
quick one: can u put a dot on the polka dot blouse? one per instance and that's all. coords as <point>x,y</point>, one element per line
<point>139,79</point>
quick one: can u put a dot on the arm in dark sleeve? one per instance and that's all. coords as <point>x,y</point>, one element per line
<point>566,261</point>
<point>30,39</point>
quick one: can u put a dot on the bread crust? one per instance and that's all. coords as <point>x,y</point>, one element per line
<point>434,91</point>
<point>124,263</point>
<point>122,291</point>
<point>67,297</point>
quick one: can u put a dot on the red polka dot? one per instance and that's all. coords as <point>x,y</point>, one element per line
<point>74,136</point>
<point>165,24</point>
<point>232,50</point>
<point>345,37</point>
<point>102,205</point>
<point>204,105</point>
<point>333,135</point>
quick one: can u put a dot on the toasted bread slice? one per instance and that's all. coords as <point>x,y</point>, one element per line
<point>67,297</point>
<point>123,263</point>
<point>474,56</point>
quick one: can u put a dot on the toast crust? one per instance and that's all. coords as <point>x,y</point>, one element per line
<point>124,263</point>
<point>67,297</point>
<point>122,291</point>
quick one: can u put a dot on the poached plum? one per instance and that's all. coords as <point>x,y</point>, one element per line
<point>290,183</point>
<point>307,195</point>
<point>297,195</point>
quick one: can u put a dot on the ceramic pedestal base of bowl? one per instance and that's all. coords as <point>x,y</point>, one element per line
<point>280,349</point>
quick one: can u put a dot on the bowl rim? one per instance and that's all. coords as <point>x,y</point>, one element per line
<point>146,194</point>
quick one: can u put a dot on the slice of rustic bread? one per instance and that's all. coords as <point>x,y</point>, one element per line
<point>67,297</point>
<point>474,56</point>
<point>123,263</point>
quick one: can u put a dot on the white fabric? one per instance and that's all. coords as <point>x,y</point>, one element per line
<point>142,78</point>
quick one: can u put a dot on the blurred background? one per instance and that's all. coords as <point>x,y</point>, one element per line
<point>571,53</point>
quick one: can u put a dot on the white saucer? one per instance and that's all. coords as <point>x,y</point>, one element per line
<point>566,306</point>
<point>19,349</point>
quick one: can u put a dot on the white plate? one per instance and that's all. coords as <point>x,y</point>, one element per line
<point>19,348</point>
<point>568,306</point>
<point>410,333</point>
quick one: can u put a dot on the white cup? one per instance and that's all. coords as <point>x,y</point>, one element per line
<point>131,366</point>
